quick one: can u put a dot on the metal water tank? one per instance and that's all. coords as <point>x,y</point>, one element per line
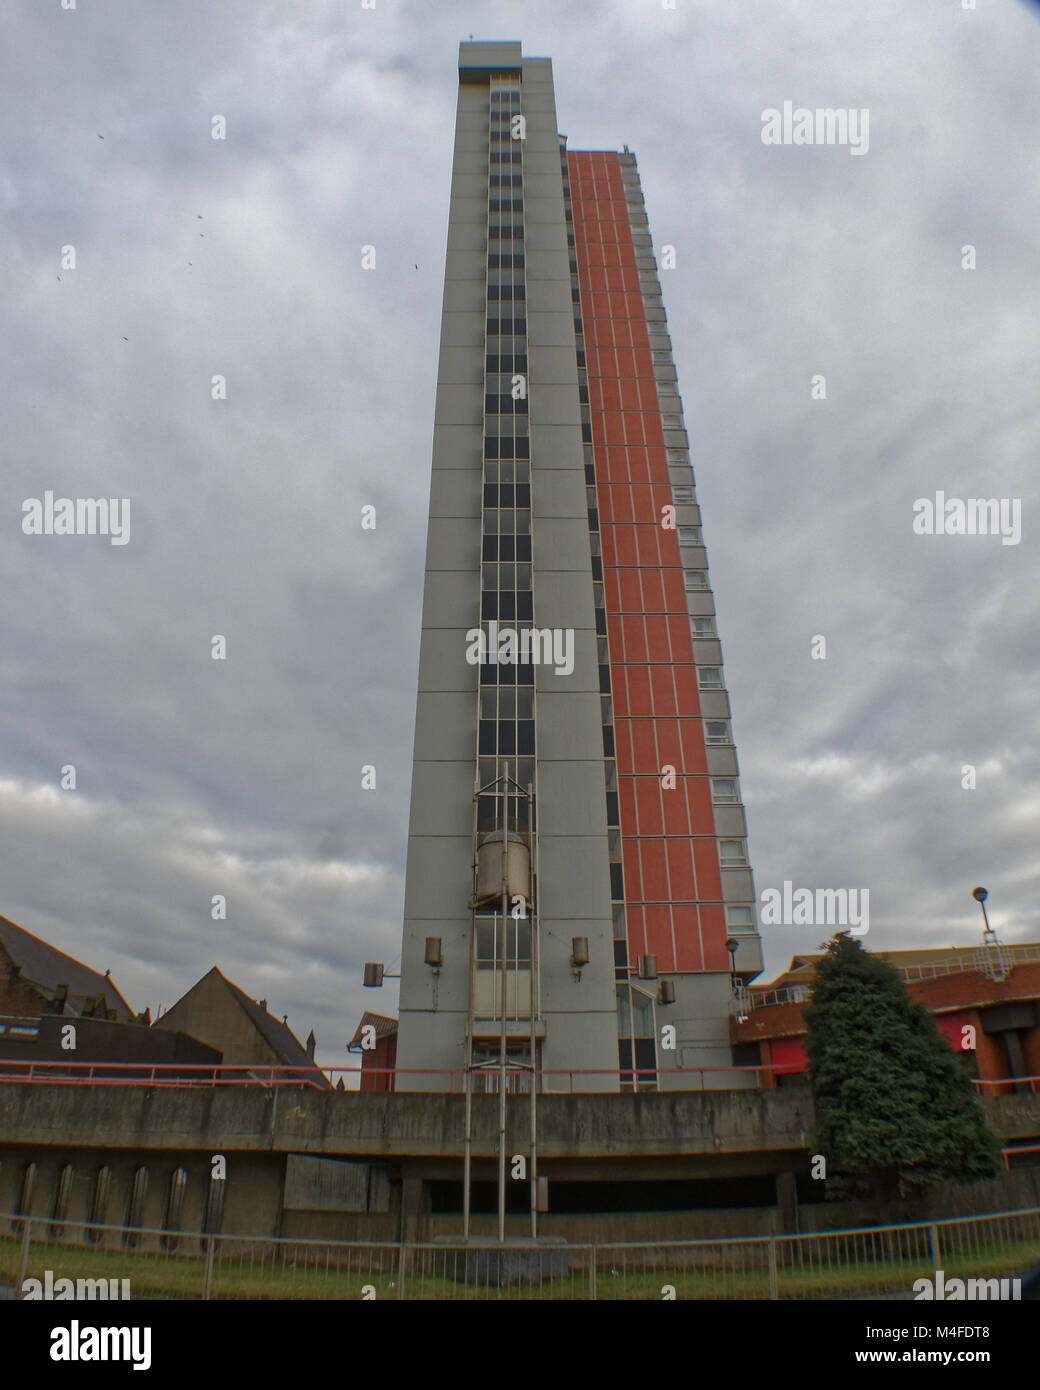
<point>489,866</point>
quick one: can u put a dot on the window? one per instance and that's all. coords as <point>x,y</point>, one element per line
<point>617,883</point>
<point>717,731</point>
<point>672,422</point>
<point>682,495</point>
<point>703,627</point>
<point>695,579</point>
<point>740,918</point>
<point>710,678</point>
<point>617,912</point>
<point>678,458</point>
<point>636,1023</point>
<point>690,535</point>
<point>732,852</point>
<point>724,790</point>
<point>489,943</point>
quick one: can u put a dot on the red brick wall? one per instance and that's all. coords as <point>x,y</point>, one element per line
<point>384,1054</point>
<point>780,1027</point>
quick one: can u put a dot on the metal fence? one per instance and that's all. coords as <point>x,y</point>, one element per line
<point>866,1263</point>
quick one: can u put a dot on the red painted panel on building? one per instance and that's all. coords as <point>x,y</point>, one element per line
<point>648,628</point>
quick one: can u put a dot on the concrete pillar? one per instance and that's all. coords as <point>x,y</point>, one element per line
<point>413,1208</point>
<point>787,1203</point>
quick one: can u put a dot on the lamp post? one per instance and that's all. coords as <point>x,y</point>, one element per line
<point>989,936</point>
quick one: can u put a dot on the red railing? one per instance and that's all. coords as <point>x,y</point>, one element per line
<point>321,1078</point>
<point>181,1074</point>
<point>554,1080</point>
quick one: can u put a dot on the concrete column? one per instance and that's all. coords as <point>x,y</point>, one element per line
<point>413,1208</point>
<point>787,1202</point>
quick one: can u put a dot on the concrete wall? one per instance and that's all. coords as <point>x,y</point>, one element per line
<point>210,1013</point>
<point>438,879</point>
<point>573,866</point>
<point>99,1040</point>
<point>573,855</point>
<point>409,1140</point>
<point>252,1200</point>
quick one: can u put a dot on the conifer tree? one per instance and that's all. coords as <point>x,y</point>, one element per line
<point>894,1104</point>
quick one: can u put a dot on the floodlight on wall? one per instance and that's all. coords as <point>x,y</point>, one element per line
<point>579,954</point>
<point>666,994</point>
<point>375,974</point>
<point>433,952</point>
<point>647,967</point>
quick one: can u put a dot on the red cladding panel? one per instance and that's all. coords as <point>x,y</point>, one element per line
<point>672,881</point>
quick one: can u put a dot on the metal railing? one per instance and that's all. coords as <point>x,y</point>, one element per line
<point>996,961</point>
<point>786,994</point>
<point>551,1081</point>
<point>859,1263</point>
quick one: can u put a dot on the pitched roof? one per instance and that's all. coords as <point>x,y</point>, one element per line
<point>44,965</point>
<point>281,1039</point>
<point>384,1027</point>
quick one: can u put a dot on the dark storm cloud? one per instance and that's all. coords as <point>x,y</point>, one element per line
<point>198,777</point>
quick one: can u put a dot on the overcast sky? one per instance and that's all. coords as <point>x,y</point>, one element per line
<point>240,257</point>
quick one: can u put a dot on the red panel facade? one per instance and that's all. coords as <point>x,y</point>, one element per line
<point>673,889</point>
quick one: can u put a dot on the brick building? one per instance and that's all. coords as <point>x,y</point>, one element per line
<point>36,978</point>
<point>993,990</point>
<point>382,1055</point>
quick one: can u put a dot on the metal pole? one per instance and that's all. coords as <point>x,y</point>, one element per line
<point>534,1044</point>
<point>468,1149</point>
<point>467,1153</point>
<point>23,1259</point>
<point>502,1059</point>
<point>207,1281</point>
